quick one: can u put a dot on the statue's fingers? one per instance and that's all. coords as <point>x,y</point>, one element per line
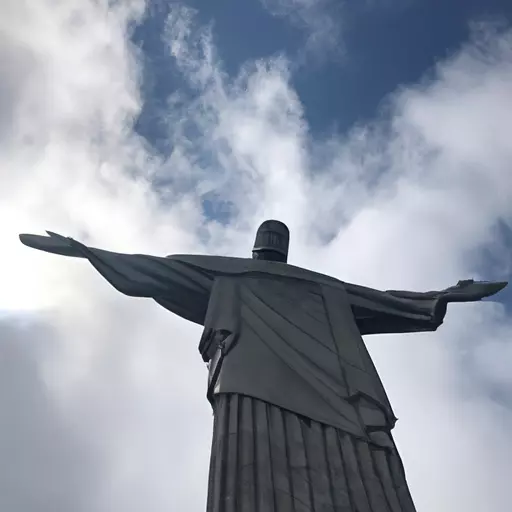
<point>493,288</point>
<point>476,291</point>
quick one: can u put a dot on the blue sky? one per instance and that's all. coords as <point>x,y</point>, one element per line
<point>378,48</point>
<point>379,132</point>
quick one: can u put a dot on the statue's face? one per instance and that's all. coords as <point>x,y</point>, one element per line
<point>269,256</point>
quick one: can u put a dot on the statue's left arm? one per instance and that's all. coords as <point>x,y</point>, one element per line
<point>396,311</point>
<point>177,286</point>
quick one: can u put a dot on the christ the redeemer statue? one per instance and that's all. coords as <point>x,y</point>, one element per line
<point>301,420</point>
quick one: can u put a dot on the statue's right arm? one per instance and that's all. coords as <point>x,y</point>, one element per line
<point>174,284</point>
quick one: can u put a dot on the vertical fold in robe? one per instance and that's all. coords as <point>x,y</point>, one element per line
<point>267,459</point>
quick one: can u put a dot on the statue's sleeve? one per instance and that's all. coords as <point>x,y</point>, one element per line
<point>176,285</point>
<point>400,311</point>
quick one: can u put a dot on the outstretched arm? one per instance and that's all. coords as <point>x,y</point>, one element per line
<point>397,311</point>
<point>177,286</point>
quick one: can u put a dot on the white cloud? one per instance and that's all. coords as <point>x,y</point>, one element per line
<point>319,20</point>
<point>117,383</point>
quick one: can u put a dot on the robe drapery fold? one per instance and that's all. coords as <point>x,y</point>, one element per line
<point>267,459</point>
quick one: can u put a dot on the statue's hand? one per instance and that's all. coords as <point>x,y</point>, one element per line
<point>54,243</point>
<point>469,290</point>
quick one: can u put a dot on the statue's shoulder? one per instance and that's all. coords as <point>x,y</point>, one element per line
<point>225,265</point>
<point>215,264</point>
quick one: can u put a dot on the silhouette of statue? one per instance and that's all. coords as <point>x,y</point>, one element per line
<point>301,419</point>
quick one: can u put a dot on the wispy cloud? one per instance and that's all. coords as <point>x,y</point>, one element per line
<point>410,201</point>
<point>321,21</point>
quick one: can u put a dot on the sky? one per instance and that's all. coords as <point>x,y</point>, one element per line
<point>379,133</point>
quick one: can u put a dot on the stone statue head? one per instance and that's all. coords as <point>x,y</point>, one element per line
<point>272,241</point>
